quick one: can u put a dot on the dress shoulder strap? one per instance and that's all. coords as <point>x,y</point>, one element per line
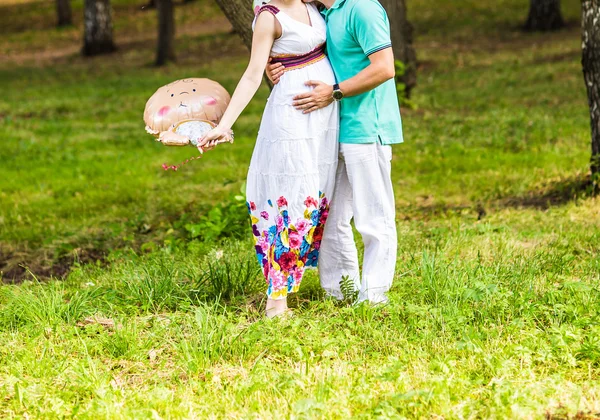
<point>268,8</point>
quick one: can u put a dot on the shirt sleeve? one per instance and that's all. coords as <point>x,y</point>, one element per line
<point>371,26</point>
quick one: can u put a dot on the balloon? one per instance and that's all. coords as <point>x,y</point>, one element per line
<point>258,4</point>
<point>182,112</point>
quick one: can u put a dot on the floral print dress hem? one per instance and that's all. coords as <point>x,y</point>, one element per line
<point>286,247</point>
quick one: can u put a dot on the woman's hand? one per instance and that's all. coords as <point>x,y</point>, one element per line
<point>274,71</point>
<point>213,137</point>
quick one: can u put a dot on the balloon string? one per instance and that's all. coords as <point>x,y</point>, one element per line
<point>176,167</point>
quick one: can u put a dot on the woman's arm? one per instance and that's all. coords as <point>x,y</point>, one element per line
<point>266,31</point>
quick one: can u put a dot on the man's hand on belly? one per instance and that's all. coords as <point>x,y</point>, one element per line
<point>320,97</point>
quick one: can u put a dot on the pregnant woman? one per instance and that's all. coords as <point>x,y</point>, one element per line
<point>292,172</point>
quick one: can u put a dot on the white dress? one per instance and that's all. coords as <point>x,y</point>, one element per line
<point>292,171</point>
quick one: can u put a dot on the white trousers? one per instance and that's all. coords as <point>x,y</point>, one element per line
<point>363,192</point>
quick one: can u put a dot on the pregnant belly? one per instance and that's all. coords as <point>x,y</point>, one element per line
<point>293,82</point>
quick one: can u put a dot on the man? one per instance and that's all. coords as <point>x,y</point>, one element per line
<point>360,51</point>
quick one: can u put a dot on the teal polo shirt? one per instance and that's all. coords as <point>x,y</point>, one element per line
<point>355,30</point>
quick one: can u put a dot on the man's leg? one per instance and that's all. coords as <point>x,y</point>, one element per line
<point>338,256</point>
<point>369,172</point>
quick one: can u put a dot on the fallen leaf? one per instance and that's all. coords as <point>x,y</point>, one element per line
<point>91,320</point>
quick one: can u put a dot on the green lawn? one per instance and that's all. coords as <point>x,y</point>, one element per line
<point>495,311</point>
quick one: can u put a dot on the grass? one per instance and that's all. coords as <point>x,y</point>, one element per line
<point>155,310</point>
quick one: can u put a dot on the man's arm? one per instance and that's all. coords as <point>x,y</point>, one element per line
<point>274,71</point>
<point>378,72</point>
<point>370,26</point>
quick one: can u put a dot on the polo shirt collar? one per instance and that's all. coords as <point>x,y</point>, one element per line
<point>336,5</point>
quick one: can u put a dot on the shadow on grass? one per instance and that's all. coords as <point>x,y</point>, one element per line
<point>560,57</point>
<point>555,193</point>
<point>17,266</point>
<point>426,208</point>
<point>551,194</point>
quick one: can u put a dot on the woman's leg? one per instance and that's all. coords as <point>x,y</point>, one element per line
<point>276,307</point>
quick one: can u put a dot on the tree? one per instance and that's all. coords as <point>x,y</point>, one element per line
<point>240,14</point>
<point>63,10</point>
<point>166,32</point>
<point>591,73</point>
<point>402,42</point>
<point>544,15</point>
<point>98,28</point>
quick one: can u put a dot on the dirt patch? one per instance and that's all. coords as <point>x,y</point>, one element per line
<point>563,414</point>
<point>512,39</point>
<point>16,267</point>
<point>125,43</point>
<point>425,66</point>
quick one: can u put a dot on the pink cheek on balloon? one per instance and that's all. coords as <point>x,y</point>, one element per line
<point>256,9</point>
<point>164,111</point>
<point>210,101</point>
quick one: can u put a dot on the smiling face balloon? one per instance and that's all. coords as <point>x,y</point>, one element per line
<point>183,111</point>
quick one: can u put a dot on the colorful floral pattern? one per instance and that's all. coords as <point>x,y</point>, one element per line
<point>285,247</point>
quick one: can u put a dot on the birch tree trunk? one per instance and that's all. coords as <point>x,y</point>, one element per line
<point>591,73</point>
<point>544,15</point>
<point>63,11</point>
<point>402,41</point>
<point>166,32</point>
<point>98,28</point>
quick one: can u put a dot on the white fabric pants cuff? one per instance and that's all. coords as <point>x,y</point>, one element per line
<point>363,192</point>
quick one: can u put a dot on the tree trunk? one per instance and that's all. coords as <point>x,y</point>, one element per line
<point>591,73</point>
<point>166,32</point>
<point>63,10</point>
<point>240,15</point>
<point>98,28</point>
<point>544,15</point>
<point>402,41</point>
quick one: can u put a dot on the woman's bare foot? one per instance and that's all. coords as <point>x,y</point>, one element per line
<point>276,308</point>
